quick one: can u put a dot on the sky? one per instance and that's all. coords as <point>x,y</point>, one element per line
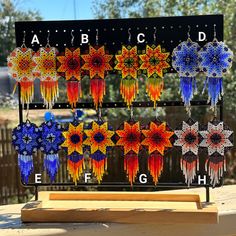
<point>60,9</point>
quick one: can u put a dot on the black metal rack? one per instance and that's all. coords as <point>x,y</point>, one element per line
<point>113,34</point>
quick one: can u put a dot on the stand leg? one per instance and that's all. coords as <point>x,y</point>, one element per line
<point>36,193</point>
<point>207,194</point>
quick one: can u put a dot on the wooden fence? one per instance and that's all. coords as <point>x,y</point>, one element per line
<point>11,189</point>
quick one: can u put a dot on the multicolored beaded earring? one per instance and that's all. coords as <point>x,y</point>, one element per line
<point>157,140</point>
<point>215,61</point>
<point>97,63</point>
<point>127,63</point>
<point>185,60</point>
<point>73,136</point>
<point>129,138</point>
<point>69,68</point>
<point>25,140</point>
<point>99,141</point>
<point>154,62</point>
<point>218,139</point>
<point>21,69</point>
<point>45,69</point>
<point>187,139</point>
<point>51,139</point>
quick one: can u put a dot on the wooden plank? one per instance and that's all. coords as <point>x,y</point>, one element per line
<point>131,216</point>
<point>128,196</point>
<point>88,205</point>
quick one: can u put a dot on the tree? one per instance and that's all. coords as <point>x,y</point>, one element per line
<point>155,8</point>
<point>9,13</point>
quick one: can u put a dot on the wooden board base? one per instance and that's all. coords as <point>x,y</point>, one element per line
<point>120,207</point>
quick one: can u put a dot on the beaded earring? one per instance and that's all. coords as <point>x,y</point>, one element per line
<point>127,63</point>
<point>45,69</point>
<point>73,136</point>
<point>158,140</point>
<point>215,61</point>
<point>187,139</point>
<point>185,60</point>
<point>70,69</point>
<point>97,63</point>
<point>26,141</point>
<point>129,138</point>
<point>51,139</point>
<point>99,141</point>
<point>154,62</point>
<point>217,138</point>
<point>21,69</point>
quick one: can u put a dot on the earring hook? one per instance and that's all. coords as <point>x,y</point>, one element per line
<point>156,113</point>
<point>99,113</point>
<point>129,39</point>
<point>189,28</point>
<point>27,111</point>
<point>48,45</point>
<point>154,35</point>
<point>23,40</point>
<point>215,111</point>
<point>214,31</point>
<point>72,38</point>
<point>96,36</point>
<point>131,113</point>
<point>74,112</point>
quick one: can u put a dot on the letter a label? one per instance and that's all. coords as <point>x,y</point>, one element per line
<point>35,39</point>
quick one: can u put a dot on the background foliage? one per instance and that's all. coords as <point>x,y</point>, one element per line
<point>154,8</point>
<point>9,13</point>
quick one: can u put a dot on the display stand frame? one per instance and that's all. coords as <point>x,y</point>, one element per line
<point>166,26</point>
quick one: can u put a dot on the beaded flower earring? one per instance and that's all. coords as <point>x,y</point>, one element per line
<point>99,141</point>
<point>97,63</point>
<point>158,140</point>
<point>26,140</point>
<point>217,139</point>
<point>155,61</point>
<point>129,138</point>
<point>73,136</point>
<point>127,63</point>
<point>51,139</point>
<point>45,69</point>
<point>187,139</point>
<point>215,61</point>
<point>69,68</point>
<point>185,60</point>
<point>21,69</point>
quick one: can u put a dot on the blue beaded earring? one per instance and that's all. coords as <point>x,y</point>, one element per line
<point>185,60</point>
<point>215,61</point>
<point>51,139</point>
<point>25,140</point>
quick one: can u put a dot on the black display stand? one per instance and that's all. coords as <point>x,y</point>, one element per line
<point>170,31</point>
